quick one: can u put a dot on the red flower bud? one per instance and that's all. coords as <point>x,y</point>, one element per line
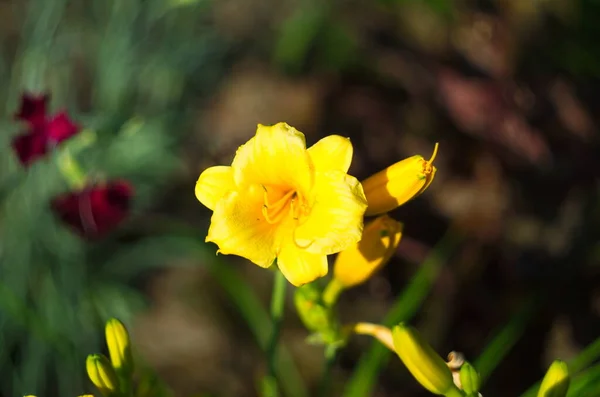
<point>96,210</point>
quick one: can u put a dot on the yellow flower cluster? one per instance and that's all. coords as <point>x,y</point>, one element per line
<point>280,201</point>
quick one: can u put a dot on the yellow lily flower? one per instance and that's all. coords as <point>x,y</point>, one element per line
<point>279,200</point>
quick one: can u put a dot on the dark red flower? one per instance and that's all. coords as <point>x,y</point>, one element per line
<point>33,108</point>
<point>44,132</point>
<point>95,210</point>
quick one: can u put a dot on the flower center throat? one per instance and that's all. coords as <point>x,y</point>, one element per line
<point>290,202</point>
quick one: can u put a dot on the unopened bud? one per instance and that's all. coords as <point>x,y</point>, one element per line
<point>427,367</point>
<point>399,183</point>
<point>469,379</point>
<point>556,381</point>
<point>102,375</point>
<point>315,316</point>
<point>119,346</point>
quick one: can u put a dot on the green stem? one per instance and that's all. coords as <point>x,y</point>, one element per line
<point>330,356</point>
<point>71,170</point>
<point>332,292</point>
<point>270,388</point>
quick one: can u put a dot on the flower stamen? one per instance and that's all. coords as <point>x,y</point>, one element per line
<point>427,164</point>
<point>273,213</point>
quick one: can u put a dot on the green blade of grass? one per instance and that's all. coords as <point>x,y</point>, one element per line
<point>406,305</point>
<point>504,340</point>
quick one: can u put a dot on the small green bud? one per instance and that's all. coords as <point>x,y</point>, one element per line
<point>315,316</point>
<point>556,381</point>
<point>469,379</point>
<point>119,346</point>
<point>428,368</point>
<point>102,375</point>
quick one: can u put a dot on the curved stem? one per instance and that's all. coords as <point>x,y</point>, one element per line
<point>332,292</point>
<point>270,388</point>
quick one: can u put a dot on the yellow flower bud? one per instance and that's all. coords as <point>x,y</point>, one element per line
<point>379,241</point>
<point>428,368</point>
<point>397,184</point>
<point>556,381</point>
<point>102,374</point>
<point>469,379</point>
<point>119,346</point>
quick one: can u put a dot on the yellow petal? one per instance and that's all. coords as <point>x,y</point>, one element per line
<point>335,221</point>
<point>213,184</point>
<point>333,152</point>
<point>300,266</point>
<point>276,156</point>
<point>239,228</point>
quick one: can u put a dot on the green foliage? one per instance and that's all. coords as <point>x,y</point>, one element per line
<point>122,69</point>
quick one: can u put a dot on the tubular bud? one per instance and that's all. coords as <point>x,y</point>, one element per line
<point>102,375</point>
<point>119,346</point>
<point>399,183</point>
<point>358,263</point>
<point>469,379</point>
<point>556,381</point>
<point>427,367</point>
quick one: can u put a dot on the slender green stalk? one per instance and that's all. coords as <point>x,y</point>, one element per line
<point>585,381</point>
<point>270,388</point>
<point>330,357</point>
<point>504,340</point>
<point>590,354</point>
<point>332,292</point>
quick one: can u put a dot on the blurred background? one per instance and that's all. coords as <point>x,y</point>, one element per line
<point>166,88</point>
